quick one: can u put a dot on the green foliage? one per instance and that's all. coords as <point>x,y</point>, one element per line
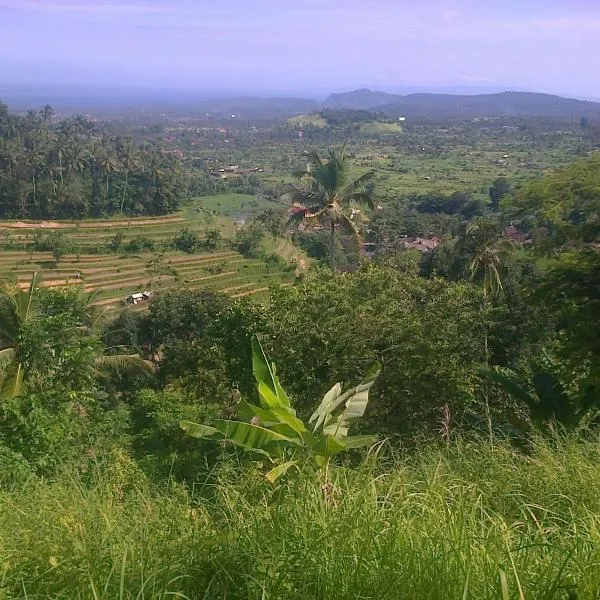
<point>74,169</point>
<point>55,242</point>
<point>159,443</point>
<point>428,335</point>
<point>571,288</point>
<point>139,243</point>
<point>276,432</point>
<point>248,239</point>
<point>566,202</point>
<point>551,393</point>
<point>187,241</point>
<point>204,344</point>
<point>190,242</point>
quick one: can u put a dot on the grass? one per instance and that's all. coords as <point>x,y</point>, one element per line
<point>227,205</point>
<point>315,120</point>
<point>463,522</point>
<point>376,128</point>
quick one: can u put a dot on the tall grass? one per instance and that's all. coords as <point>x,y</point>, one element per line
<point>465,521</point>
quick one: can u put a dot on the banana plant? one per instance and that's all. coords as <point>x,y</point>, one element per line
<point>548,393</point>
<point>274,431</point>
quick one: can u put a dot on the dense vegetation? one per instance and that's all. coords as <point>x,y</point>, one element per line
<point>152,453</point>
<point>73,169</point>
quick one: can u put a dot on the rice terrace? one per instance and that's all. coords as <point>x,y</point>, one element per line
<point>112,277</point>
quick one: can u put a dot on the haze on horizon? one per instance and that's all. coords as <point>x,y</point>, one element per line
<point>302,47</point>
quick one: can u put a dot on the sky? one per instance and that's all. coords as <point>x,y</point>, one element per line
<point>302,47</point>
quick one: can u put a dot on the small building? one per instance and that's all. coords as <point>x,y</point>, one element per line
<point>139,297</point>
<point>421,244</point>
<point>516,236</point>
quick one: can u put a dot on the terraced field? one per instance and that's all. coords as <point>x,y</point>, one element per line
<point>111,277</point>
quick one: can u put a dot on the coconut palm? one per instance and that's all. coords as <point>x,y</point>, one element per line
<point>128,160</point>
<point>47,113</point>
<point>327,193</point>
<point>19,306</point>
<point>107,160</point>
<point>486,253</point>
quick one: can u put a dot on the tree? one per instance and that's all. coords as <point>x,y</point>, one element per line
<point>566,203</point>
<point>427,334</point>
<point>48,334</point>
<point>128,160</point>
<point>17,307</point>
<point>187,241</point>
<point>109,165</point>
<point>47,113</point>
<point>59,245</point>
<point>486,252</point>
<point>498,190</point>
<point>327,192</point>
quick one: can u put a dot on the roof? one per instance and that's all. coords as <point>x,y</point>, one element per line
<point>421,244</point>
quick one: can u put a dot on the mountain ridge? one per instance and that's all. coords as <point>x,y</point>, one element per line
<point>508,103</point>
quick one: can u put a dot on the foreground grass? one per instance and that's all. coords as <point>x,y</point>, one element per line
<point>467,521</point>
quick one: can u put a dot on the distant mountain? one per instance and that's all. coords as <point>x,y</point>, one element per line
<point>360,99</point>
<point>504,104</point>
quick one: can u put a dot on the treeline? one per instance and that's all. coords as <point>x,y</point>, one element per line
<point>74,168</point>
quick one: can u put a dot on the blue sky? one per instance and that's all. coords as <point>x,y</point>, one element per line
<point>309,46</point>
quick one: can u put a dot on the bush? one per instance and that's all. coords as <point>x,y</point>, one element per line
<point>187,241</point>
<point>140,243</point>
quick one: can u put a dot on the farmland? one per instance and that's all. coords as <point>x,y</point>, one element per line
<point>112,276</point>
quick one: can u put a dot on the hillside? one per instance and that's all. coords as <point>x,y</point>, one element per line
<point>514,104</point>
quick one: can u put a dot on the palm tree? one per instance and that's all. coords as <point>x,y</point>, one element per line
<point>486,252</point>
<point>47,113</point>
<point>108,164</point>
<point>127,156</point>
<point>19,306</point>
<point>36,161</point>
<point>327,192</point>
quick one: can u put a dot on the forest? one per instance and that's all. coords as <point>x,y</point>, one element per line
<point>71,170</point>
<point>202,447</point>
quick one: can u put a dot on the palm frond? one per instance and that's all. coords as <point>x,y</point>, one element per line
<point>13,384</point>
<point>7,357</point>
<point>119,364</point>
<point>347,224</point>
